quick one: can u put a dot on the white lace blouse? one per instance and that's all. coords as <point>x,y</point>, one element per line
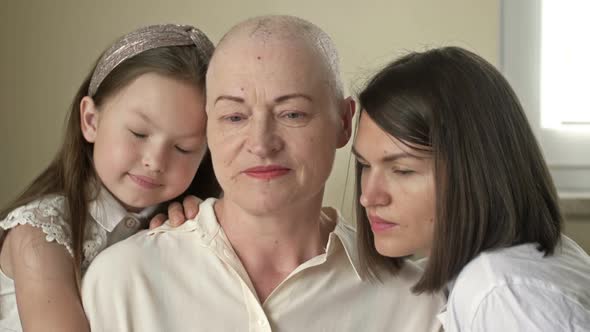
<point>108,222</point>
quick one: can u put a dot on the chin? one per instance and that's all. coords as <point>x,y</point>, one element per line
<point>389,250</point>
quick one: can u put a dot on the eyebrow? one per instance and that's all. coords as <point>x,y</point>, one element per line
<point>277,100</point>
<point>229,98</point>
<point>284,98</point>
<point>388,158</point>
<point>144,117</point>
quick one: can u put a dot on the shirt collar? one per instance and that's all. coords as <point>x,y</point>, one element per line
<point>442,314</point>
<point>205,223</point>
<point>346,237</point>
<point>207,226</point>
<point>108,212</point>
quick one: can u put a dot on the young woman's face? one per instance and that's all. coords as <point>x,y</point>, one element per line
<point>149,139</point>
<point>398,191</point>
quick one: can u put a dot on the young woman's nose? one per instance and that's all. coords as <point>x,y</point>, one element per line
<point>373,190</point>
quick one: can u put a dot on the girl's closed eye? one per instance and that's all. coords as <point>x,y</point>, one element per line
<point>138,134</point>
<point>182,150</point>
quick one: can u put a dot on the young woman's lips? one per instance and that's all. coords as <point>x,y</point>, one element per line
<point>381,225</point>
<point>267,172</point>
<point>144,181</point>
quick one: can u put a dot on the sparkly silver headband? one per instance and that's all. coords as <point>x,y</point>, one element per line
<point>144,39</point>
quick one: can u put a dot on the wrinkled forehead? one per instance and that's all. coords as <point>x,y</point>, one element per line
<point>245,62</point>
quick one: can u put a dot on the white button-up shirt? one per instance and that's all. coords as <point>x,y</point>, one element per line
<point>518,289</point>
<point>190,279</point>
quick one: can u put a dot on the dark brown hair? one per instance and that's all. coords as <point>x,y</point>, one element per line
<point>71,173</point>
<point>493,188</point>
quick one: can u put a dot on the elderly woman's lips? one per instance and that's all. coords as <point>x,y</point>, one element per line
<point>267,172</point>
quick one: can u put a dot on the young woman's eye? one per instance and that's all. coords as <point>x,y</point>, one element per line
<point>137,134</point>
<point>403,171</point>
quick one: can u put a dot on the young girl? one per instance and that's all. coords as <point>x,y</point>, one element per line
<point>135,137</point>
<point>447,165</point>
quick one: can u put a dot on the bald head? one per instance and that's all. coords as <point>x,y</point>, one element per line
<point>274,98</point>
<point>291,30</point>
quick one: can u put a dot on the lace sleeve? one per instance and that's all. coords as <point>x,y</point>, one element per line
<point>47,214</point>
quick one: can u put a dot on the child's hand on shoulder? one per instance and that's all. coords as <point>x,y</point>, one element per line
<point>178,213</point>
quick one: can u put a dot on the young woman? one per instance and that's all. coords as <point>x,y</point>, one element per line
<point>448,166</point>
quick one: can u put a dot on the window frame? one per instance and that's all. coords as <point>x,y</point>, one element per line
<point>520,62</point>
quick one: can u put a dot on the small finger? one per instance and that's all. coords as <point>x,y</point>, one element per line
<point>176,214</point>
<point>157,221</point>
<point>191,206</point>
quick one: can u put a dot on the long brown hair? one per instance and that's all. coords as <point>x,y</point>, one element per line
<point>493,188</point>
<point>71,173</point>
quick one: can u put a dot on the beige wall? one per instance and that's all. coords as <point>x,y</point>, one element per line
<point>47,47</point>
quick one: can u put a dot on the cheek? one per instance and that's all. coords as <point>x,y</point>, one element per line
<point>420,201</point>
<point>117,143</point>
<point>113,151</point>
<point>185,167</point>
<point>224,148</point>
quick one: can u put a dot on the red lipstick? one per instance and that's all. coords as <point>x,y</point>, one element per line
<point>267,172</point>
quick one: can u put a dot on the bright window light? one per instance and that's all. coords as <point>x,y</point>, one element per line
<point>565,65</point>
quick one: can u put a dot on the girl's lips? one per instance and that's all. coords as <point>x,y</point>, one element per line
<point>144,181</point>
<point>266,172</point>
<point>380,225</point>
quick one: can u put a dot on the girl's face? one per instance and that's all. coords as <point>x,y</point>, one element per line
<point>149,139</point>
<point>398,191</point>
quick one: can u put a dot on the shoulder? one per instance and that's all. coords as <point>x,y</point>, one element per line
<point>124,254</point>
<point>139,252</point>
<point>520,279</point>
<point>525,264</point>
<point>497,267</point>
<point>45,217</point>
<point>528,307</point>
<point>45,209</point>
<point>114,269</point>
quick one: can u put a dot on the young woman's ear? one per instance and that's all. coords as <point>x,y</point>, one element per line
<point>347,113</point>
<point>88,119</point>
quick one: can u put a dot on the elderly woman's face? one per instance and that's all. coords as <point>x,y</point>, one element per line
<point>398,191</point>
<point>273,124</point>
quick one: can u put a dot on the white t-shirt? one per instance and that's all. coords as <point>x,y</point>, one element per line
<point>518,289</point>
<point>189,278</point>
<point>108,222</point>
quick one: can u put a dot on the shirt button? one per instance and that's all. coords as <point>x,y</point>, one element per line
<point>261,322</point>
<point>131,223</point>
<point>228,255</point>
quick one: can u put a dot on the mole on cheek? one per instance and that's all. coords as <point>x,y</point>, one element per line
<point>259,57</point>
